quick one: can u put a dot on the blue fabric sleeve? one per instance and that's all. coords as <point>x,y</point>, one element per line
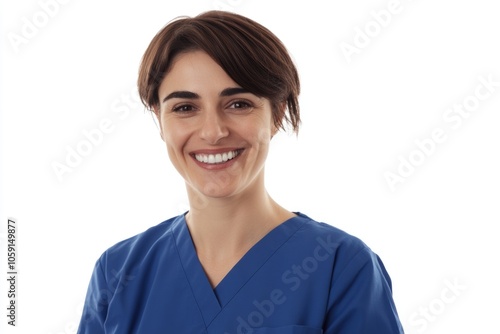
<point>360,300</point>
<point>96,303</point>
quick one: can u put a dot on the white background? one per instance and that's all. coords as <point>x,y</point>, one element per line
<point>437,226</point>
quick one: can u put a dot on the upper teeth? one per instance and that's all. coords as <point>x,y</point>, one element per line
<point>216,158</point>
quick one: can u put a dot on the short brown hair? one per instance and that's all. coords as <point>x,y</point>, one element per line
<point>247,51</point>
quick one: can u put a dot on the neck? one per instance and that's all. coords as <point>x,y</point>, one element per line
<point>230,226</point>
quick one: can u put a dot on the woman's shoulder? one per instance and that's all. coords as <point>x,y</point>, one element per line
<point>343,245</point>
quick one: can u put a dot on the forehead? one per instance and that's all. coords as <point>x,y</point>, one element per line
<point>195,71</point>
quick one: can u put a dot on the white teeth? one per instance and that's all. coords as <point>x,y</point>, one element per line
<point>216,158</point>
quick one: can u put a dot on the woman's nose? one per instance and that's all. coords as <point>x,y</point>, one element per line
<point>214,127</point>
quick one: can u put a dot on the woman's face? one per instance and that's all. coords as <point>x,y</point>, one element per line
<point>217,134</point>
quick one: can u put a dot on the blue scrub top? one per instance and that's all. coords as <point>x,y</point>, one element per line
<point>303,277</point>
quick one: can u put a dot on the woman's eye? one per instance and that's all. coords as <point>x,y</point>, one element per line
<point>240,105</point>
<point>183,108</point>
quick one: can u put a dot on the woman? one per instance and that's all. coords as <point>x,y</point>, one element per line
<point>221,86</point>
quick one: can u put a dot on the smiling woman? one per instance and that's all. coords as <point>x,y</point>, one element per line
<point>221,86</point>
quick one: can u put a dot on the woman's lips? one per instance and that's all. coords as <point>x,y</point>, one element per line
<point>216,159</point>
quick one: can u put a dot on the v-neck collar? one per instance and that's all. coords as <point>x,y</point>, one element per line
<point>212,301</point>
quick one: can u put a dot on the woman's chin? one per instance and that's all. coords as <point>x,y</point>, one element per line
<point>201,197</point>
<point>216,192</point>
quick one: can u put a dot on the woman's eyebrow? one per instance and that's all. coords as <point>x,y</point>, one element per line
<point>233,91</point>
<point>181,95</point>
